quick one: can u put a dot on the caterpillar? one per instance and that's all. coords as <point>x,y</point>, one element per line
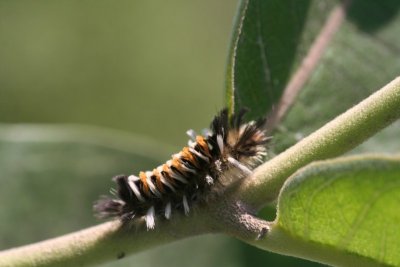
<point>227,152</point>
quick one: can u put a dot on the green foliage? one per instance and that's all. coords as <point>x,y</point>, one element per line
<point>350,205</point>
<point>347,205</point>
<point>275,37</point>
<point>70,62</point>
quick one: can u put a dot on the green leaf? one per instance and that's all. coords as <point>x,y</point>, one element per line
<point>273,38</point>
<point>349,205</point>
<point>362,56</point>
<point>270,39</point>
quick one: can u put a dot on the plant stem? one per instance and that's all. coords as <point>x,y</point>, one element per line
<point>98,244</point>
<point>335,138</point>
<point>281,242</point>
<point>111,241</point>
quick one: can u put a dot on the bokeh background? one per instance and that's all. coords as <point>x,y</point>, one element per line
<point>89,89</point>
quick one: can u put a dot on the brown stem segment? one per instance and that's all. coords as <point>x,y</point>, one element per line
<point>238,220</point>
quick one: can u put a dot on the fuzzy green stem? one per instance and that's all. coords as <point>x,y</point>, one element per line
<point>105,242</point>
<point>335,138</point>
<point>279,241</point>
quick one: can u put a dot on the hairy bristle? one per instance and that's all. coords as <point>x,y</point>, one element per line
<point>231,148</point>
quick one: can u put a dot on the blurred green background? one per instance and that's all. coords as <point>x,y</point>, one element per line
<point>151,69</point>
<point>123,64</point>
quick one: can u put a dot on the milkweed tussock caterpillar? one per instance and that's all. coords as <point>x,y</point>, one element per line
<point>227,152</point>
